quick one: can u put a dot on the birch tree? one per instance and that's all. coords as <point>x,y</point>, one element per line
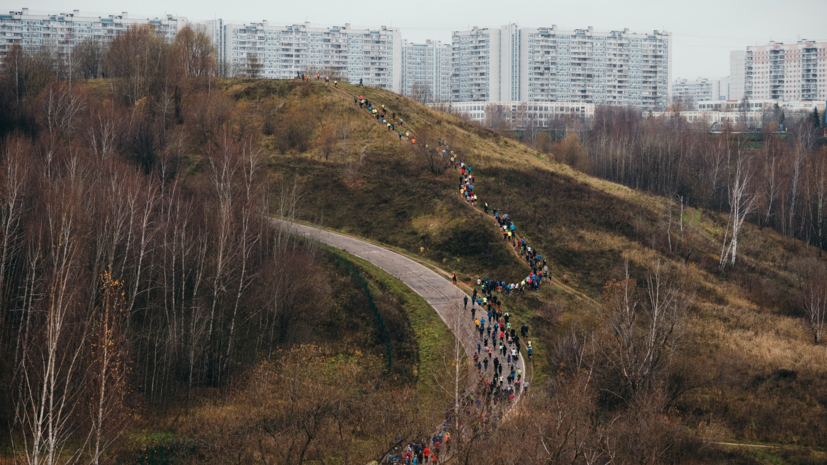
<point>741,204</point>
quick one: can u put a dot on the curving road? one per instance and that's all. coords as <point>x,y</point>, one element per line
<point>444,297</point>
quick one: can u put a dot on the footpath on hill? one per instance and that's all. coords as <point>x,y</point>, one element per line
<point>488,323</point>
<point>403,129</point>
<point>447,299</point>
<point>441,294</point>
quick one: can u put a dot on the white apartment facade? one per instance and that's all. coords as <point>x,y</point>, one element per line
<point>690,92</point>
<point>733,111</point>
<point>737,66</point>
<point>519,115</point>
<point>426,71</point>
<point>475,65</point>
<point>602,68</point>
<point>373,56</point>
<point>62,31</point>
<point>720,88</point>
<point>780,72</point>
<point>552,65</point>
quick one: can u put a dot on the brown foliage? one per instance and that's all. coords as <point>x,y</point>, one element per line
<point>135,60</point>
<point>571,152</point>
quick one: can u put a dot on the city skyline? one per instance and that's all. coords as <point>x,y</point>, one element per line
<point>703,34</point>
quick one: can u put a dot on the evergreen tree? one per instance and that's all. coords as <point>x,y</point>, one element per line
<point>816,118</point>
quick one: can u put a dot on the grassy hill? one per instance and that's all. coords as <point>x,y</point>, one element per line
<point>753,373</point>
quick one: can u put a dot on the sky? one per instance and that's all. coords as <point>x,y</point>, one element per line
<point>704,31</point>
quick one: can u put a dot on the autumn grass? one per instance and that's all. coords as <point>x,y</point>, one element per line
<point>434,339</point>
<point>745,328</point>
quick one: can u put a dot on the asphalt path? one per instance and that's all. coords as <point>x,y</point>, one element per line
<point>445,298</point>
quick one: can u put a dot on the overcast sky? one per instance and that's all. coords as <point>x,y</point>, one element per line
<point>704,31</point>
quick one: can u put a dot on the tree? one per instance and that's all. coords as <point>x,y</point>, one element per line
<point>571,152</point>
<point>196,53</point>
<point>743,108</point>
<point>251,67</point>
<point>778,114</point>
<point>543,142</point>
<point>421,92</point>
<point>816,118</point>
<point>108,370</point>
<point>430,155</point>
<point>136,60</point>
<point>454,376</point>
<point>644,331</point>
<point>741,204</point>
<point>89,58</point>
<point>813,295</point>
<point>51,358</point>
<point>683,103</point>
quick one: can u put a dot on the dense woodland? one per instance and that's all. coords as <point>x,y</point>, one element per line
<point>138,273</point>
<point>140,279</point>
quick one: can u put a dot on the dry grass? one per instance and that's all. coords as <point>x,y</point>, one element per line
<point>744,331</point>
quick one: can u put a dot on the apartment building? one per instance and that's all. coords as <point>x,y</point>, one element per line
<point>754,113</point>
<point>475,65</point>
<point>690,92</point>
<point>519,115</point>
<point>720,88</point>
<point>278,52</point>
<point>780,72</point>
<point>603,68</point>
<point>553,65</point>
<point>283,52</point>
<point>426,71</point>
<point>62,31</point>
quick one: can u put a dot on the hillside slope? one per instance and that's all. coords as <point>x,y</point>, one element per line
<point>753,371</point>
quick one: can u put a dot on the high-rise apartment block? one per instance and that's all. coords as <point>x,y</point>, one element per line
<point>508,63</point>
<point>689,93</point>
<point>475,70</point>
<point>62,31</point>
<point>373,56</point>
<point>279,52</point>
<point>552,65</point>
<point>776,71</point>
<point>426,71</point>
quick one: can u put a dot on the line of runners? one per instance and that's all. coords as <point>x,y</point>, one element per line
<point>498,346</point>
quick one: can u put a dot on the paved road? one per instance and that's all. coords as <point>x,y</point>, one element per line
<point>443,296</point>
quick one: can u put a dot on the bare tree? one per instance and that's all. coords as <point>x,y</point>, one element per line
<point>421,92</point>
<point>51,362</point>
<point>248,232</point>
<point>432,156</point>
<point>795,172</point>
<point>89,58</point>
<point>813,289</point>
<point>455,377</point>
<point>62,105</point>
<point>644,331</point>
<point>741,204</point>
<point>251,67</point>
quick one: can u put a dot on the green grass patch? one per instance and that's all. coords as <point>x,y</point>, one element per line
<point>767,457</point>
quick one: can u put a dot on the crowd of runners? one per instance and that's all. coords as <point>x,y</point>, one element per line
<point>497,359</point>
